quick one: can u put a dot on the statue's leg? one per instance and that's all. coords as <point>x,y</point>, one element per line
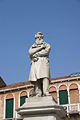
<point>38,88</point>
<point>33,91</point>
<point>45,86</point>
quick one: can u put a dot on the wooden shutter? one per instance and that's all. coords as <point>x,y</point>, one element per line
<point>63,97</point>
<point>9,108</point>
<point>22,100</point>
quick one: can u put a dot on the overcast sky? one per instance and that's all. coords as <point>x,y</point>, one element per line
<point>59,20</point>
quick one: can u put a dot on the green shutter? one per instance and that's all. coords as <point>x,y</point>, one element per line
<point>9,108</point>
<point>63,97</point>
<point>22,100</point>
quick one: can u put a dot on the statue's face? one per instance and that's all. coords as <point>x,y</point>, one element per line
<point>39,40</point>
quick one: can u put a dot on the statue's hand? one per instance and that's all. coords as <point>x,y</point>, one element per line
<point>35,55</point>
<point>35,59</point>
<point>43,46</point>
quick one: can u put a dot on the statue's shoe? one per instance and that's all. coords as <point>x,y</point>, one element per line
<point>38,95</point>
<point>46,94</point>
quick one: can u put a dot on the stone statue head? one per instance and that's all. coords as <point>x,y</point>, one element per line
<point>39,37</point>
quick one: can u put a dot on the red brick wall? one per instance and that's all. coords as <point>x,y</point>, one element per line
<point>74,96</point>
<point>52,89</point>
<point>63,87</point>
<point>54,95</point>
<point>9,96</point>
<point>1,106</point>
<point>53,92</point>
<point>16,94</point>
<point>23,93</point>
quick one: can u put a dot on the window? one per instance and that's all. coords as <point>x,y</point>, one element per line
<point>22,100</point>
<point>23,97</point>
<point>63,97</point>
<point>9,108</point>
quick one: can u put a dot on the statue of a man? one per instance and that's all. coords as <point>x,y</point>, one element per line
<point>40,72</point>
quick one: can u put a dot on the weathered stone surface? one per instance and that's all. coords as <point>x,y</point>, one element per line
<point>41,108</point>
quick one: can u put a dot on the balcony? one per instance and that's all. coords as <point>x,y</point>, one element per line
<point>72,108</point>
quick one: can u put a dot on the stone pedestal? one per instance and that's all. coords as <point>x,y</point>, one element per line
<point>41,108</point>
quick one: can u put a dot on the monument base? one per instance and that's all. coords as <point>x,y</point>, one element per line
<point>41,108</point>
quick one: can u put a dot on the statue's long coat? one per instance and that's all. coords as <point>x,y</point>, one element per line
<point>40,68</point>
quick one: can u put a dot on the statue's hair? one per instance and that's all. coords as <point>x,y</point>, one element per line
<point>39,34</point>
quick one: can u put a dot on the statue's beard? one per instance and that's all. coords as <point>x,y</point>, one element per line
<point>39,42</point>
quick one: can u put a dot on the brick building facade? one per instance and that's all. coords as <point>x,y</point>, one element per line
<point>65,91</point>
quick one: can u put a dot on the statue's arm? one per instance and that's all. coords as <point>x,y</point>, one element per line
<point>44,51</point>
<point>34,50</point>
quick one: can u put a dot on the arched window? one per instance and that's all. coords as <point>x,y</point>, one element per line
<point>74,93</point>
<point>23,97</point>
<point>63,95</point>
<point>9,106</point>
<point>53,92</point>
